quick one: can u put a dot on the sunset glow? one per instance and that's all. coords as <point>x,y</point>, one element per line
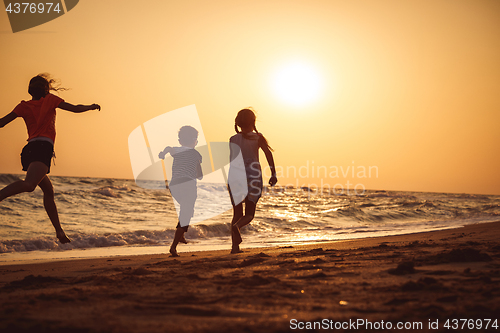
<point>297,83</point>
<point>395,85</point>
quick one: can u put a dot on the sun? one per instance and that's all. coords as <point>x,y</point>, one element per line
<point>297,83</point>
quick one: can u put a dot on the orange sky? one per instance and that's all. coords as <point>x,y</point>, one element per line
<point>408,87</point>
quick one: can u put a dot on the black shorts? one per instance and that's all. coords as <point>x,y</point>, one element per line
<point>37,151</point>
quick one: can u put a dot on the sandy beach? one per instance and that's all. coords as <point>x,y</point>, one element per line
<point>434,278</point>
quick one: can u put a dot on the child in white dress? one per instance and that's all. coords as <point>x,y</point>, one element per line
<point>249,140</point>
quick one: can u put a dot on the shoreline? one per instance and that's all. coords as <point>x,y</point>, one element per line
<point>44,256</point>
<point>418,277</point>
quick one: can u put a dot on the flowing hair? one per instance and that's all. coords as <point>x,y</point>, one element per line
<point>42,84</point>
<point>246,118</point>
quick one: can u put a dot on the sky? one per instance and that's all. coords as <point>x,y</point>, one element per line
<point>403,93</point>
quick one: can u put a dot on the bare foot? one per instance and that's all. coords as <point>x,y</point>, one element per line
<point>236,235</point>
<point>62,237</point>
<point>236,249</point>
<point>173,253</point>
<point>183,240</point>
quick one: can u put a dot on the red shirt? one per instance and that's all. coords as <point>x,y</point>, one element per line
<point>40,116</point>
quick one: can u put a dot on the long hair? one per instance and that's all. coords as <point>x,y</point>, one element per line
<point>246,118</point>
<point>41,85</point>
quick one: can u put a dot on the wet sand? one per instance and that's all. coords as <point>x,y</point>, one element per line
<point>418,278</point>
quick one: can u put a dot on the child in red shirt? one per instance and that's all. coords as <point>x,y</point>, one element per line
<point>39,115</point>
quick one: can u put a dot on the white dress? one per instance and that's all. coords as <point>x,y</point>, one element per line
<point>247,181</point>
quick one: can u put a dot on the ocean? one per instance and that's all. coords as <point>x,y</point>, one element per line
<point>104,216</point>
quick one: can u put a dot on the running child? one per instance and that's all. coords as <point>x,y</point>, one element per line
<point>186,168</point>
<point>249,141</point>
<point>39,115</point>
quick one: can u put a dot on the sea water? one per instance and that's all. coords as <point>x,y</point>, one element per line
<point>105,216</point>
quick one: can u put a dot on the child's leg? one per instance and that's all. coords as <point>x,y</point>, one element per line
<point>51,209</point>
<point>184,219</point>
<point>185,194</point>
<point>36,172</point>
<point>179,233</point>
<point>235,232</point>
<point>183,240</point>
<point>250,207</point>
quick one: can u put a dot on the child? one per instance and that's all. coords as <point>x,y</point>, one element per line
<point>249,140</point>
<point>186,168</point>
<point>39,114</point>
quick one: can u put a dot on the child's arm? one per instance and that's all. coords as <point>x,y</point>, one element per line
<point>270,160</point>
<point>7,119</point>
<point>199,172</point>
<point>78,108</point>
<point>165,151</point>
